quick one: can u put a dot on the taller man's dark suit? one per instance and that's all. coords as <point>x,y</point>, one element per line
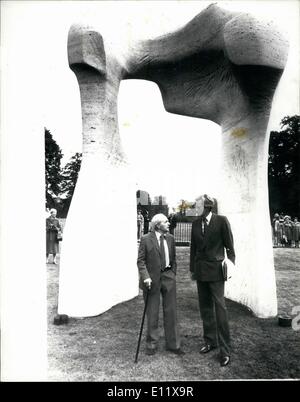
<point>207,254</point>
<point>163,282</point>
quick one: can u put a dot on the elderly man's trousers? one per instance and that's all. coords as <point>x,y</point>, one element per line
<point>166,288</point>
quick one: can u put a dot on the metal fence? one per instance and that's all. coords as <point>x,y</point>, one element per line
<point>182,233</point>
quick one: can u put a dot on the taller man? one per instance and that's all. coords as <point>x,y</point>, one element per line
<point>211,235</point>
<point>157,267</point>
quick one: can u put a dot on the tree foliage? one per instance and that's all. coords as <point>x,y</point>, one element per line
<point>184,205</point>
<point>284,167</point>
<point>70,175</point>
<point>60,181</point>
<point>53,155</point>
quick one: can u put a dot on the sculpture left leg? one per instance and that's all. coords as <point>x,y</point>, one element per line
<point>98,260</point>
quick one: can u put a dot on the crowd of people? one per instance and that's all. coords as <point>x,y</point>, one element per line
<point>286,231</point>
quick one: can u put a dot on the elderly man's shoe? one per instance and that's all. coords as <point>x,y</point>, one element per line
<point>178,351</point>
<point>224,361</point>
<point>207,348</point>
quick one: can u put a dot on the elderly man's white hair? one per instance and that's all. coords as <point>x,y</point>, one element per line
<point>156,220</point>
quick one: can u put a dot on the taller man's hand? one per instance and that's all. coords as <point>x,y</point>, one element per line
<point>148,283</point>
<point>192,276</point>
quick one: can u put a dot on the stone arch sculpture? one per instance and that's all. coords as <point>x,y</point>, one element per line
<point>222,66</point>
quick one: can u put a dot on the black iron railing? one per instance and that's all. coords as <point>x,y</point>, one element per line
<point>182,233</point>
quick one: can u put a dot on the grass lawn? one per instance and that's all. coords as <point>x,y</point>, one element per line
<point>103,348</point>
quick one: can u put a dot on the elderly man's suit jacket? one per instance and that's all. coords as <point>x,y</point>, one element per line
<point>149,261</point>
<point>207,251</point>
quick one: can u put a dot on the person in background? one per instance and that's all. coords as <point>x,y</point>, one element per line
<point>173,222</point>
<point>280,232</point>
<point>52,229</point>
<point>276,229</point>
<point>296,232</point>
<point>287,231</point>
<point>157,270</point>
<point>146,222</point>
<point>211,236</point>
<point>140,225</point>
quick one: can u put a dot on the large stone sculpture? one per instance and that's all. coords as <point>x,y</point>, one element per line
<point>221,66</point>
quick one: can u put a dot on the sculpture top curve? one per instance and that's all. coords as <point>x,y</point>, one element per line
<point>218,55</point>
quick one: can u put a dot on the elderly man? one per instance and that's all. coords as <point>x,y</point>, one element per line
<point>211,235</point>
<point>157,268</point>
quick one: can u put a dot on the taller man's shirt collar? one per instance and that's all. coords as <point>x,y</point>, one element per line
<point>208,218</point>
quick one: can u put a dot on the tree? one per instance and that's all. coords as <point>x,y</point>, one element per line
<point>184,205</point>
<point>284,167</point>
<point>70,175</point>
<point>69,178</point>
<point>53,157</point>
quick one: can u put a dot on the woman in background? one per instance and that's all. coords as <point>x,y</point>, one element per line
<point>296,232</point>
<point>287,231</point>
<point>140,225</point>
<point>52,229</point>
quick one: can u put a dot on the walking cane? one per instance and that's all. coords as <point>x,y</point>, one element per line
<point>141,330</point>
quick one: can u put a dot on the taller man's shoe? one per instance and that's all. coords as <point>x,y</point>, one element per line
<point>207,348</point>
<point>224,361</point>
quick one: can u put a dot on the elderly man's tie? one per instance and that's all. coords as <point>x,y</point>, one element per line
<point>162,252</point>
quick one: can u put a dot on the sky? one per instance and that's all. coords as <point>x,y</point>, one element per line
<point>149,134</point>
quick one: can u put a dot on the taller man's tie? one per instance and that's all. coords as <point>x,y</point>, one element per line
<point>204,226</point>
